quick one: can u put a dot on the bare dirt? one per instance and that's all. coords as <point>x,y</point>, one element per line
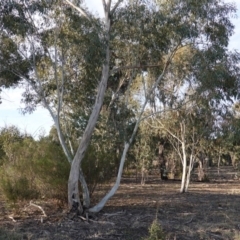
<point>210,210</point>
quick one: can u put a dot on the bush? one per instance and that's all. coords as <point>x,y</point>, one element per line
<point>156,232</point>
<point>52,170</point>
<point>18,189</point>
<point>32,169</point>
<point>98,167</point>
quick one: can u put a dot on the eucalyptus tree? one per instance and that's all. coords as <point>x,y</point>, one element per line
<point>10,58</point>
<point>55,63</point>
<point>138,38</point>
<point>226,140</point>
<point>187,130</point>
<point>202,72</point>
<point>202,27</point>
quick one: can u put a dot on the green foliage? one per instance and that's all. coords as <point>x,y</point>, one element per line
<point>62,68</point>
<point>156,232</point>
<point>51,169</point>
<point>144,148</point>
<point>98,166</point>
<point>30,168</point>
<point>18,189</point>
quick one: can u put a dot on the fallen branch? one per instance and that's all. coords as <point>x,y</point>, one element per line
<point>216,236</point>
<point>11,217</point>
<point>113,214</point>
<point>83,218</point>
<point>39,207</point>
<point>189,221</point>
<point>102,222</point>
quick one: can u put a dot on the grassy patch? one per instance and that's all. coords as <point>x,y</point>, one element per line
<point>8,235</point>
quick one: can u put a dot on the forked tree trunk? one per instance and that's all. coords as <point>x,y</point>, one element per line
<point>182,189</point>
<point>189,172</point>
<point>184,160</point>
<point>86,196</point>
<point>73,192</point>
<point>115,187</point>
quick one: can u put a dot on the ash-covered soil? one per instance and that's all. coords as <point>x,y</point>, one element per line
<point>209,210</point>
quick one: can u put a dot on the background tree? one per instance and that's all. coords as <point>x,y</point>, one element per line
<point>174,46</point>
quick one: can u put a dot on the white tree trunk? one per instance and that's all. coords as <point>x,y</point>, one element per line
<point>102,203</point>
<point>86,196</point>
<point>184,162</point>
<point>219,159</point>
<point>73,192</point>
<point>190,168</point>
<point>182,189</point>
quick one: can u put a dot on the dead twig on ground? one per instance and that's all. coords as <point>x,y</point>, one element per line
<point>217,236</point>
<point>189,220</point>
<point>39,207</point>
<point>102,222</point>
<point>113,214</point>
<point>11,217</point>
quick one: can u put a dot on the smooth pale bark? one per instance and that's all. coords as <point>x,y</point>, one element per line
<point>86,196</point>
<point>39,90</point>
<point>190,168</point>
<point>73,192</point>
<point>115,187</point>
<point>219,159</point>
<point>102,203</point>
<point>182,189</point>
<point>183,182</point>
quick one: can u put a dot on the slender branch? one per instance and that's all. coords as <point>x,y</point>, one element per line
<point>56,76</point>
<point>169,110</point>
<point>114,95</point>
<point>63,81</point>
<point>172,134</point>
<point>144,86</point>
<point>101,204</point>
<point>108,6</point>
<point>79,9</point>
<point>104,5</point>
<point>116,6</point>
<point>134,67</point>
<point>37,206</point>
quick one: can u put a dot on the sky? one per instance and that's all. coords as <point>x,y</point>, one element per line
<point>40,122</point>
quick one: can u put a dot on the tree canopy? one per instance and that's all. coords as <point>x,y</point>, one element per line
<point>103,78</point>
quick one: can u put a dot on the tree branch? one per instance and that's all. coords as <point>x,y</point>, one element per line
<point>108,6</point>
<point>79,9</point>
<point>116,6</point>
<point>134,67</point>
<point>104,5</point>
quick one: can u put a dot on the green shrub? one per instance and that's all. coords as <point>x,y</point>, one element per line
<point>52,174</point>
<point>98,166</point>
<point>31,169</point>
<point>156,232</point>
<point>18,189</point>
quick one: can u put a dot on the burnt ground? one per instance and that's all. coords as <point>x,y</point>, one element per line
<point>210,210</point>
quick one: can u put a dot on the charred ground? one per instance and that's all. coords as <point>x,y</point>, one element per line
<point>209,210</point>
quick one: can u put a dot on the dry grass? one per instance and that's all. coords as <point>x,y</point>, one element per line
<point>208,211</point>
